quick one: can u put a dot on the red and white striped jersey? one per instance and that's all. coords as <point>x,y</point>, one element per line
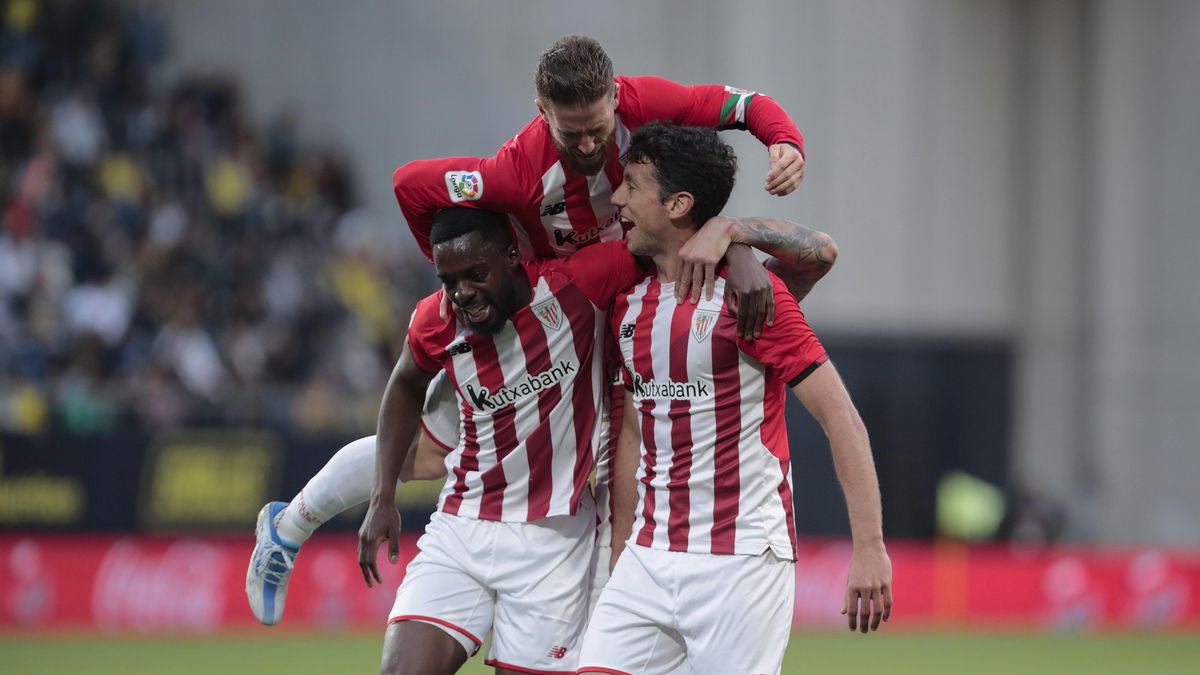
<point>554,210</point>
<point>530,395</point>
<point>715,474</point>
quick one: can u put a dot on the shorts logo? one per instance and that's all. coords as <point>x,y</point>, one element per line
<point>626,330</point>
<point>549,313</point>
<point>464,185</point>
<point>557,652</point>
<point>702,324</point>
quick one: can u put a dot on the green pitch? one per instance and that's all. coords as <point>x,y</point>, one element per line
<point>263,652</point>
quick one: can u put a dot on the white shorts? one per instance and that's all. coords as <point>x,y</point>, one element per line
<point>440,416</point>
<point>527,583</point>
<point>601,557</point>
<point>713,613</point>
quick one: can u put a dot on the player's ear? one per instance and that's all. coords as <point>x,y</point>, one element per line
<point>616,93</point>
<point>514,257</point>
<point>679,205</point>
<point>541,108</point>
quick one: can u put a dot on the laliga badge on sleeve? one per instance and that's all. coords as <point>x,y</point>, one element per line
<point>464,186</point>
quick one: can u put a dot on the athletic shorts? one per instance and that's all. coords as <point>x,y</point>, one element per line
<point>713,613</point>
<point>601,557</point>
<point>527,583</point>
<point>440,416</point>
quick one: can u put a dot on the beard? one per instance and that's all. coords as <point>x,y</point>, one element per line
<point>589,166</point>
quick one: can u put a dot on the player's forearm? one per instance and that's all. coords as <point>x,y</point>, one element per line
<point>398,424</point>
<point>851,449</point>
<point>800,256</point>
<point>770,123</point>
<point>624,484</point>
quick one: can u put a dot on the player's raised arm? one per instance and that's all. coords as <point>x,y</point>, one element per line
<point>399,422</point>
<point>726,107</point>
<point>426,186</point>
<point>869,583</point>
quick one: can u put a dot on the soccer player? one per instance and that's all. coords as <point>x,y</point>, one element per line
<point>555,178</point>
<point>708,574</point>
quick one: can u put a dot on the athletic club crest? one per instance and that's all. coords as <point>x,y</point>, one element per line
<point>703,322</point>
<point>549,313</point>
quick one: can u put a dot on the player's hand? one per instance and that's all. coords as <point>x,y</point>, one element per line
<point>787,169</point>
<point>699,257</point>
<point>382,523</point>
<point>868,588</point>
<point>748,292</point>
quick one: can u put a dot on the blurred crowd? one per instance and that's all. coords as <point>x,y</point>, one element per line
<point>162,261</point>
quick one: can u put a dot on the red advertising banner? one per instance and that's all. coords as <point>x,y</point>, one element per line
<point>141,583</point>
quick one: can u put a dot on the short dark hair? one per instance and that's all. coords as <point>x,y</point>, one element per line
<point>687,159</point>
<point>574,71</point>
<point>454,222</point>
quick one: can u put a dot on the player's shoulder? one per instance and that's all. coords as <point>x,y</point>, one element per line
<point>532,147</point>
<point>426,316</point>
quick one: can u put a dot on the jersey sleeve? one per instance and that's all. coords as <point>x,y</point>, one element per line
<point>425,187</point>
<point>651,98</point>
<point>789,347</point>
<point>602,271</point>
<point>428,334</point>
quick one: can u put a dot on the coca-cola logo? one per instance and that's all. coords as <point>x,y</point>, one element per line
<point>179,588</point>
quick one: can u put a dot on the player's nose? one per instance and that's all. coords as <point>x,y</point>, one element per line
<point>587,146</point>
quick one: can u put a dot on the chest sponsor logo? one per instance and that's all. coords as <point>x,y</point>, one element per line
<point>703,322</point>
<point>669,389</point>
<point>554,209</point>
<point>566,236</point>
<point>550,313</point>
<point>490,401</point>
<point>464,186</point>
<point>459,349</point>
<point>626,331</point>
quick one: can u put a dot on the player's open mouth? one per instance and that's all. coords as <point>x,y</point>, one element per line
<point>625,222</point>
<point>479,313</point>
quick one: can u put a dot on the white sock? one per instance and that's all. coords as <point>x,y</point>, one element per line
<point>343,483</point>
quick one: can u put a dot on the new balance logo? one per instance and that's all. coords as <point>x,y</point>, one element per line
<point>458,349</point>
<point>557,652</point>
<point>626,331</point>
<point>554,209</point>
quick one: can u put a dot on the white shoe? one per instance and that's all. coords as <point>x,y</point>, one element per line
<point>270,568</point>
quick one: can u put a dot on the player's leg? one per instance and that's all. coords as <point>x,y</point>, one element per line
<point>444,606</point>
<point>743,624</point>
<point>542,583</point>
<point>342,484</point>
<point>632,627</point>
<point>420,648</point>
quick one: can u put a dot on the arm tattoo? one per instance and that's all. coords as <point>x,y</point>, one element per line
<point>801,256</point>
